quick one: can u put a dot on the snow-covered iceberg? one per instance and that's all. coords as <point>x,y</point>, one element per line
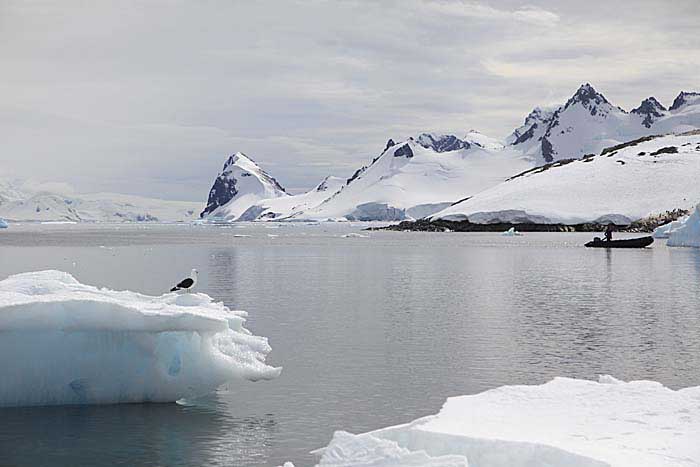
<point>664,231</point>
<point>3,223</point>
<point>63,342</point>
<point>565,422</point>
<point>687,232</point>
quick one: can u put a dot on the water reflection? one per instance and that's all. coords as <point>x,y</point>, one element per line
<point>134,434</point>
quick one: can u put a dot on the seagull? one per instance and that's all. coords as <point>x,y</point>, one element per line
<point>188,283</point>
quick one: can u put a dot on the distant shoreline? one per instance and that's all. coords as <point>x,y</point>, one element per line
<point>423,225</point>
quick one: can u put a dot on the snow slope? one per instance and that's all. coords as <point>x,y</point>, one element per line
<point>588,122</point>
<point>565,422</point>
<point>420,176</point>
<point>619,185</point>
<point>687,231</point>
<point>68,343</point>
<point>240,185</point>
<point>292,207</point>
<point>19,203</point>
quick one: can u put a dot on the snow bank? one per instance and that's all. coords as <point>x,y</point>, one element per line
<point>565,422</point>
<point>62,342</point>
<point>688,232</point>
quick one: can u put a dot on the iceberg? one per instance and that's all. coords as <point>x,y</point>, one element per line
<point>664,231</point>
<point>3,223</point>
<point>565,422</point>
<point>63,342</point>
<point>687,233</point>
<point>511,233</point>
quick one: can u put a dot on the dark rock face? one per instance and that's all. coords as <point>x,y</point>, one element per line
<point>357,173</point>
<point>526,136</point>
<point>650,109</point>
<point>548,151</point>
<point>444,143</point>
<point>389,144</point>
<point>223,191</point>
<point>404,151</point>
<point>682,99</point>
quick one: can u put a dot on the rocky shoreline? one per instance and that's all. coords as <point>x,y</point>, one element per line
<point>648,224</point>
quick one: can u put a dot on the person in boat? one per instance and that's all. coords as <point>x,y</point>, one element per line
<point>608,232</point>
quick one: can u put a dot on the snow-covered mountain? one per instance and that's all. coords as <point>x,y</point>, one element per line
<point>292,207</point>
<point>21,203</point>
<point>623,183</point>
<point>420,176</point>
<point>240,185</point>
<point>588,122</point>
<point>424,174</point>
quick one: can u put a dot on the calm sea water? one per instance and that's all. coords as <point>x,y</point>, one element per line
<point>370,331</point>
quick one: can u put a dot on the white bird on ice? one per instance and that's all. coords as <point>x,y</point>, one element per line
<point>188,283</point>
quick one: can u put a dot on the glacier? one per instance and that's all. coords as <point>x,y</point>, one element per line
<point>572,422</point>
<point>63,342</point>
<point>687,231</point>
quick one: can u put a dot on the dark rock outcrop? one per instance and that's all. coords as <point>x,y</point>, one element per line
<point>682,99</point>
<point>404,151</point>
<point>442,143</point>
<point>650,109</point>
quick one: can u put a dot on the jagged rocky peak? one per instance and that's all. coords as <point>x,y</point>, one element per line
<point>389,144</point>
<point>650,109</point>
<point>684,99</point>
<point>227,184</point>
<point>534,125</point>
<point>441,143</point>
<point>589,98</point>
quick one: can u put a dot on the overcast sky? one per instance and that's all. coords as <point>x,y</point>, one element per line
<point>150,97</point>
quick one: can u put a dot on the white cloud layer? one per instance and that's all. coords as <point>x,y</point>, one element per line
<point>150,97</point>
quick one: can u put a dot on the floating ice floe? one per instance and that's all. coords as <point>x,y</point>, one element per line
<point>63,342</point>
<point>565,422</point>
<point>687,233</point>
<point>354,235</point>
<point>511,233</point>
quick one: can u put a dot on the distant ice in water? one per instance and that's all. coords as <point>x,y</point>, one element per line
<point>511,233</point>
<point>64,342</point>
